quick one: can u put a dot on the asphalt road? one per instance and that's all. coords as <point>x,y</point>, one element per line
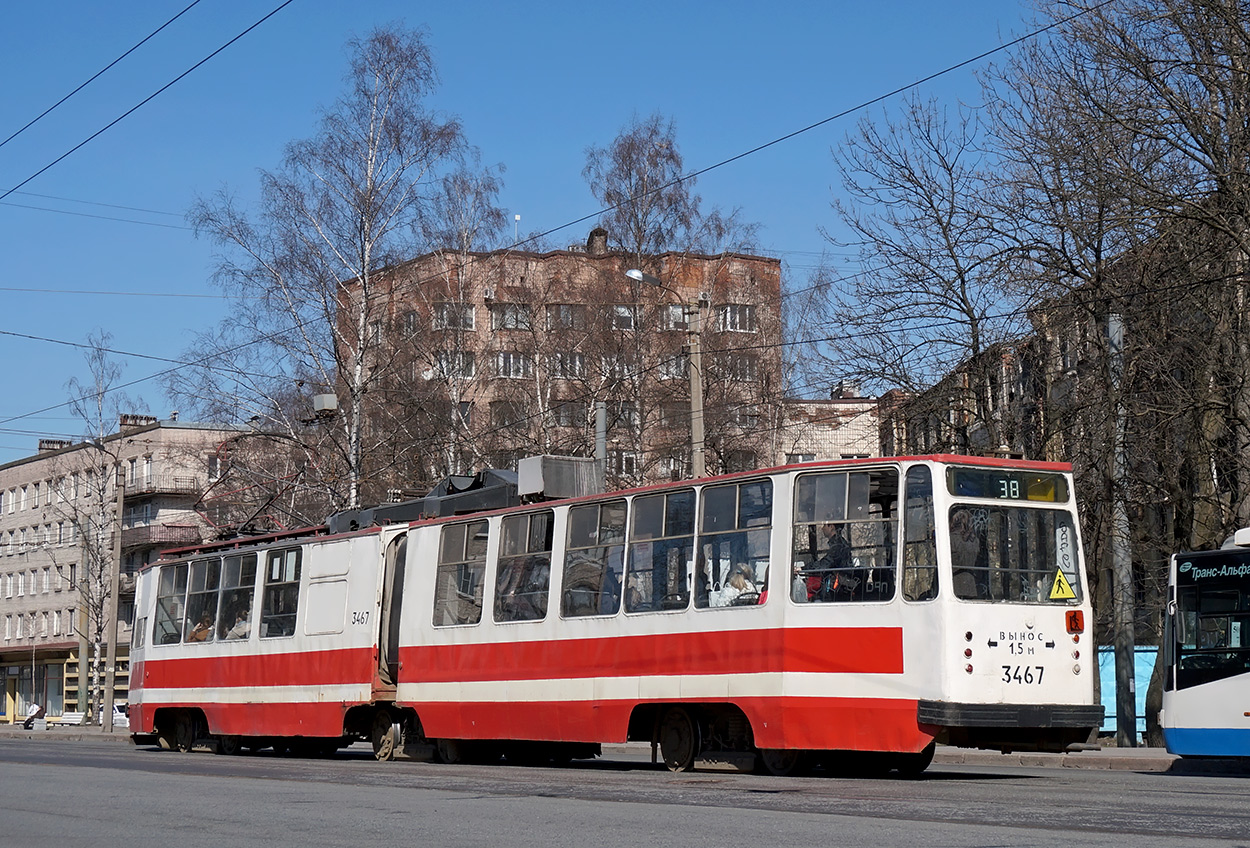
<point>100,793</point>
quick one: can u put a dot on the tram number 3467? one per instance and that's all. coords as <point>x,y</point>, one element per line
<point>360,617</point>
<point>1022,673</point>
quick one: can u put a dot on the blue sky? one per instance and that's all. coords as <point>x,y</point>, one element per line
<point>534,86</point>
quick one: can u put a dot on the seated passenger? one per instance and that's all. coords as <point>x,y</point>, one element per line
<point>203,631</point>
<point>242,625</point>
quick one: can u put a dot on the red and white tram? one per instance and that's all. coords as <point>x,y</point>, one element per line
<point>815,611</point>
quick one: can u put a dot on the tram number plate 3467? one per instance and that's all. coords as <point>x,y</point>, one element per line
<point>1022,674</point>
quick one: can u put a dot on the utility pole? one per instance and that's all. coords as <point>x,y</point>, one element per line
<point>1122,593</point>
<point>115,577</point>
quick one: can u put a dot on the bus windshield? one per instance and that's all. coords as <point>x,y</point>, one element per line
<point>1212,616</point>
<point>1013,553</point>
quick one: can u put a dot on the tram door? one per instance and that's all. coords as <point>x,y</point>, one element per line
<point>392,613</point>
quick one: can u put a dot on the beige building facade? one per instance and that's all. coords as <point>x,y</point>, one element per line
<point>57,527</point>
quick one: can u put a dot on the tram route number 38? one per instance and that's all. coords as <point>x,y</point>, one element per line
<point>1022,673</point>
<point>360,617</point>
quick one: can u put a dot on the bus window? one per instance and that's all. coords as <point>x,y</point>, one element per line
<point>661,547</point>
<point>735,533</point>
<point>281,598</point>
<point>920,573</point>
<point>461,566</point>
<point>844,536</point>
<point>170,604</point>
<point>1008,553</point>
<point>201,623</point>
<point>594,559</point>
<point>238,582</point>
<point>523,578</point>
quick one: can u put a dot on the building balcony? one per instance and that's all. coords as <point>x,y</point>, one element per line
<point>170,535</point>
<point>186,485</point>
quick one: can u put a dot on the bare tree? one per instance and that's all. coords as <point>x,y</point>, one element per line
<point>931,293</point>
<point>344,207</point>
<point>86,505</point>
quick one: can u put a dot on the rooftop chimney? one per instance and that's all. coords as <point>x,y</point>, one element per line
<point>597,243</point>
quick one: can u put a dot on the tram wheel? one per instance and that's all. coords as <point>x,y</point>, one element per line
<point>385,735</point>
<point>781,762</point>
<point>679,739</point>
<point>228,745</point>
<point>913,765</point>
<point>184,732</point>
<point>450,751</point>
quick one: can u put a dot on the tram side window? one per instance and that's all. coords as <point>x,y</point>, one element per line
<point>735,533</point>
<point>845,526</point>
<point>281,598</point>
<point>920,572</point>
<point>202,594</point>
<point>171,594</point>
<point>238,582</point>
<point>661,550</point>
<point>594,559</point>
<point>461,567</point>
<point>523,580</point>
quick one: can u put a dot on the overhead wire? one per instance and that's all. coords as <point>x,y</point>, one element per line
<point>529,239</point>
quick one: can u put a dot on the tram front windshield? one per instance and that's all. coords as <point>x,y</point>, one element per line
<point>1212,621</point>
<point>1013,553</point>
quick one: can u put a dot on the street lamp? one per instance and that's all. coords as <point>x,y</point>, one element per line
<point>693,312</point>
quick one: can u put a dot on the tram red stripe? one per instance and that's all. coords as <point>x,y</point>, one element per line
<point>304,668</point>
<point>827,650</point>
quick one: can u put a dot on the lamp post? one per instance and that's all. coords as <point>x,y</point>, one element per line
<point>693,313</point>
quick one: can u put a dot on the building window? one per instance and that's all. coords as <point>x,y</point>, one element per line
<point>736,317</point>
<point>674,466</point>
<point>510,316</point>
<point>622,414</point>
<point>742,367</point>
<point>567,365</point>
<point>622,462</point>
<point>12,500</point>
<point>513,364</point>
<point>461,364</point>
<point>506,415</point>
<point>47,580</point>
<point>566,316</point>
<point>569,413</point>
<point>618,367</point>
<point>740,460</point>
<point>623,317</point>
<point>34,496</point>
<point>465,411</point>
<point>793,458</point>
<point>408,323</point>
<point>676,367</point>
<point>746,415</point>
<point>674,316</point>
<point>453,316</point>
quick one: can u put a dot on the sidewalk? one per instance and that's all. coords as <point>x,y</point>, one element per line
<point>1110,759</point>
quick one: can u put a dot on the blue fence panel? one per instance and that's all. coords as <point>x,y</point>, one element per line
<point>1143,665</point>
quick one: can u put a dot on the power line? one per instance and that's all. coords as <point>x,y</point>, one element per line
<point>582,219</point>
<point>97,75</point>
<point>143,102</point>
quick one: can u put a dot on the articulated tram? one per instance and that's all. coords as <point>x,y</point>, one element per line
<point>861,609</point>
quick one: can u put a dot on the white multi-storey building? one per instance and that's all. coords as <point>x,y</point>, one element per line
<point>57,520</point>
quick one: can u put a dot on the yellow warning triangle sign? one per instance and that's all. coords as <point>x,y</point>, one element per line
<point>1061,589</point>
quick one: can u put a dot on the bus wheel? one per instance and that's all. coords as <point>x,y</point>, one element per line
<point>781,762</point>
<point>913,765</point>
<point>228,745</point>
<point>679,740</point>
<point>184,731</point>
<point>386,736</point>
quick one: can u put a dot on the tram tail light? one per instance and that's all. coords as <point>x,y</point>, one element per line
<point>1076,621</point>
